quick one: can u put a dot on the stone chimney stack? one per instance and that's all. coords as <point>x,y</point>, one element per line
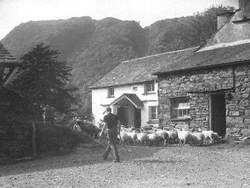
<point>223,18</point>
<point>244,6</point>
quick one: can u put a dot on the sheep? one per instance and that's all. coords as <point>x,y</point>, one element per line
<point>133,137</point>
<point>125,138</point>
<point>172,136</point>
<point>164,135</point>
<point>216,137</point>
<point>197,138</point>
<point>142,138</point>
<point>183,136</point>
<point>154,139</point>
<point>210,137</point>
<point>245,133</point>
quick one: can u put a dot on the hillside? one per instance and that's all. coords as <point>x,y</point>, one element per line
<point>94,47</point>
<point>179,33</point>
<point>91,47</point>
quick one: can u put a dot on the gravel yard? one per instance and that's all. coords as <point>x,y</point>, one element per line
<point>173,166</point>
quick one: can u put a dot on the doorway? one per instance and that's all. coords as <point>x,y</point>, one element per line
<point>218,113</point>
<point>129,116</point>
<point>137,118</point>
<point>123,115</point>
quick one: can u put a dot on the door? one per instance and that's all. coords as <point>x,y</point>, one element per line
<point>122,113</point>
<point>137,118</point>
<point>218,113</point>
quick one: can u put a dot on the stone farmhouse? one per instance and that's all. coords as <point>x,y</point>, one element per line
<point>211,88</point>
<point>206,87</point>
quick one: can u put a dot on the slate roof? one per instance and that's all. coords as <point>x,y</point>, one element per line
<point>5,56</point>
<point>211,58</point>
<point>133,98</point>
<point>8,61</point>
<point>231,32</point>
<point>141,69</point>
<point>230,45</point>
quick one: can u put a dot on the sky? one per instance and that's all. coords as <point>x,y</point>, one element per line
<point>15,12</point>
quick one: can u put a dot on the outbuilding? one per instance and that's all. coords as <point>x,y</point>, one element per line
<point>210,89</point>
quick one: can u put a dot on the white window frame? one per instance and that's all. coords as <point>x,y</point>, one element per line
<point>180,110</point>
<point>152,87</point>
<point>150,112</point>
<point>134,88</point>
<point>111,94</point>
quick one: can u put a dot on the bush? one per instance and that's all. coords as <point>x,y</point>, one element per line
<point>89,129</point>
<point>57,139</point>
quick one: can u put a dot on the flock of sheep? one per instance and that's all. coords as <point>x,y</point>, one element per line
<point>161,137</point>
<point>151,136</point>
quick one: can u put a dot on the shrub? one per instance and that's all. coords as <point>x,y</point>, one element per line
<point>90,129</point>
<point>57,139</point>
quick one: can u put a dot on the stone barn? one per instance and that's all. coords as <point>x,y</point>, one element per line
<point>211,88</point>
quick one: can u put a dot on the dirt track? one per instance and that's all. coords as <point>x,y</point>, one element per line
<point>214,166</point>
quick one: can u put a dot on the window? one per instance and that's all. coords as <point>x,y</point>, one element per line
<point>149,87</point>
<point>111,92</point>
<point>153,114</point>
<point>180,108</point>
<point>134,88</point>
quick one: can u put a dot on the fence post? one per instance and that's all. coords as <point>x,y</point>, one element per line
<point>34,148</point>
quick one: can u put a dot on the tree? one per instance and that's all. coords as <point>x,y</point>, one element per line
<point>205,24</point>
<point>42,80</point>
<point>184,32</point>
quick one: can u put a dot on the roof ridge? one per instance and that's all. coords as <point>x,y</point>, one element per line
<point>225,45</point>
<point>163,53</point>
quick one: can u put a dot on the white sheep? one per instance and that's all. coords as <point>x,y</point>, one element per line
<point>197,138</point>
<point>125,138</point>
<point>173,136</point>
<point>208,138</point>
<point>183,136</point>
<point>164,135</point>
<point>142,138</point>
<point>154,139</point>
<point>133,137</point>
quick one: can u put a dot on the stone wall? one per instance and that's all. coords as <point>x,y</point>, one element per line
<point>238,102</point>
<point>196,85</point>
<point>15,141</point>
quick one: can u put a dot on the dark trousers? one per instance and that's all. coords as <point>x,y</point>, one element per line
<point>112,140</point>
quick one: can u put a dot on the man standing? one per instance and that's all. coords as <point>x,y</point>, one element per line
<point>112,125</point>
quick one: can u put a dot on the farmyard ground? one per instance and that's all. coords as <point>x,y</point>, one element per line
<point>173,166</point>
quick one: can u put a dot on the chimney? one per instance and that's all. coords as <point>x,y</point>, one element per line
<point>223,18</point>
<point>244,6</point>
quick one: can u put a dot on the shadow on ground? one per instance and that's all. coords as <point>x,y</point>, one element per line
<point>82,155</point>
<point>89,155</point>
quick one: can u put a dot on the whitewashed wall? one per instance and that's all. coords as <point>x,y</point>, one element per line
<point>100,100</point>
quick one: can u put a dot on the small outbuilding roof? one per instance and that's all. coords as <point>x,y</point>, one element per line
<point>132,98</point>
<point>9,62</point>
<point>141,69</point>
<point>5,56</point>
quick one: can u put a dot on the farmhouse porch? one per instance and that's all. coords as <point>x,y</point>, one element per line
<point>128,108</point>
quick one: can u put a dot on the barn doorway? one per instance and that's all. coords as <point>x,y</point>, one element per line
<point>218,113</point>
